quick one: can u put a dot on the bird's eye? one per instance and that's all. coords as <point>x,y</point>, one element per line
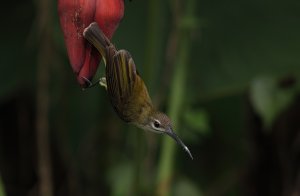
<point>156,124</point>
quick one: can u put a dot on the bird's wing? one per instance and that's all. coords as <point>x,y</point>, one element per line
<point>121,76</point>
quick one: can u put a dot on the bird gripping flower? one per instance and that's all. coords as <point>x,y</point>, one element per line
<point>75,16</point>
<point>126,89</point>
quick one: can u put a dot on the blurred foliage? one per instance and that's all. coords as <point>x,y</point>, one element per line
<point>121,178</point>
<point>269,100</point>
<point>241,40</point>
<point>238,70</point>
<point>197,120</point>
<point>2,191</point>
<point>185,187</point>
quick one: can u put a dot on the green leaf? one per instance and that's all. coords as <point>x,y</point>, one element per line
<point>269,100</point>
<point>197,119</point>
<point>188,22</point>
<point>120,178</point>
<point>2,192</point>
<point>186,187</point>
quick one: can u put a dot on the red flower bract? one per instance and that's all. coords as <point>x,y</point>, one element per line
<point>75,16</point>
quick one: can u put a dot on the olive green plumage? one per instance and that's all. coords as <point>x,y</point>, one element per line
<point>126,89</point>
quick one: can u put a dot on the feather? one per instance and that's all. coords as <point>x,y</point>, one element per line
<point>121,82</point>
<point>126,89</point>
<point>97,38</point>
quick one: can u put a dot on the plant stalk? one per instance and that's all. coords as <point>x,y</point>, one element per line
<point>177,98</point>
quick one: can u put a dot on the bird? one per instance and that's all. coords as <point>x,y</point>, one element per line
<point>126,89</point>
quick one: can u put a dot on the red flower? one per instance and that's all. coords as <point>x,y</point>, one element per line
<point>75,16</point>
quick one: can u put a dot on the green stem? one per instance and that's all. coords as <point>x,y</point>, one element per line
<point>150,61</point>
<point>177,96</point>
<point>176,100</point>
<point>153,43</point>
<point>44,62</point>
<point>138,163</point>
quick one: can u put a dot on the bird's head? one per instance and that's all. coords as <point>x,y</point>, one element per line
<point>159,122</point>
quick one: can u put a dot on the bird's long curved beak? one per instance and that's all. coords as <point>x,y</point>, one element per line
<point>172,134</point>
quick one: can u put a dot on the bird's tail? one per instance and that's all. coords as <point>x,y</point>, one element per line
<point>97,38</point>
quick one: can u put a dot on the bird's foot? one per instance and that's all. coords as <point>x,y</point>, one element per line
<point>101,81</point>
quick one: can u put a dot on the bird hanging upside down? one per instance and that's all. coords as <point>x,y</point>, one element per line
<point>127,91</point>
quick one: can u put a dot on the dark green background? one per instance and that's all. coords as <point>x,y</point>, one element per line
<point>232,85</point>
